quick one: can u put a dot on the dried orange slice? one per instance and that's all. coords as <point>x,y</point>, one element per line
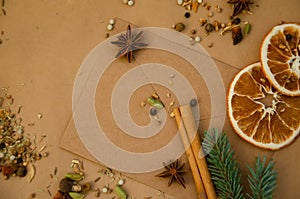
<point>280,58</point>
<point>259,113</point>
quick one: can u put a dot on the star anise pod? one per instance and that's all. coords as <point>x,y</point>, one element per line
<point>173,172</point>
<point>239,6</point>
<point>128,43</point>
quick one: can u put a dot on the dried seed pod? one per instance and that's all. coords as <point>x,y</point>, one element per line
<point>203,21</point>
<point>179,27</point>
<point>209,27</point>
<point>216,25</point>
<point>195,6</point>
<point>120,192</point>
<point>237,35</point>
<point>247,28</point>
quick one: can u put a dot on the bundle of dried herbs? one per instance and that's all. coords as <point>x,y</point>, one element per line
<point>226,175</point>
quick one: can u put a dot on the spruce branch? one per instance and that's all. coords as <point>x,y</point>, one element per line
<point>262,179</point>
<point>223,167</point>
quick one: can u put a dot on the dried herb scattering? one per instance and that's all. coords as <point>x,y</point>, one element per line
<point>239,6</point>
<point>173,172</point>
<point>18,151</point>
<point>128,43</point>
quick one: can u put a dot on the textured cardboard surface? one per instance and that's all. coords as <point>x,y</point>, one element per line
<point>44,44</point>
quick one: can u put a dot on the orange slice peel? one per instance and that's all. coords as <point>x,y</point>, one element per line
<point>261,114</point>
<point>280,58</point>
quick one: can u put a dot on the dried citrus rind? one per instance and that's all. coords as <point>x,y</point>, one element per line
<point>280,58</point>
<point>263,116</point>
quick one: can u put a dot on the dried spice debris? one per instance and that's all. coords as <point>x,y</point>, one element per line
<point>18,151</point>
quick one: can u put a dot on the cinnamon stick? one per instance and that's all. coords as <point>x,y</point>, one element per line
<point>190,155</point>
<point>189,123</point>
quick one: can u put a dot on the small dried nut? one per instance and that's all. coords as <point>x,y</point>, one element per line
<point>209,27</point>
<point>203,21</point>
<point>109,27</point>
<point>130,3</point>
<point>121,182</point>
<point>179,27</point>
<point>155,96</point>
<point>197,39</point>
<point>111,21</point>
<point>105,190</point>
<point>211,14</point>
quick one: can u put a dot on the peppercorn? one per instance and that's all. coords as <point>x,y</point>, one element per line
<point>187,15</point>
<point>236,21</point>
<point>21,171</point>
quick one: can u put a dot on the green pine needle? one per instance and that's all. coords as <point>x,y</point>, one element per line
<point>262,179</point>
<point>223,167</point>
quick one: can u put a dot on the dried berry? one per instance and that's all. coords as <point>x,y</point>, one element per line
<point>21,171</point>
<point>236,21</point>
<point>209,27</point>
<point>187,15</point>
